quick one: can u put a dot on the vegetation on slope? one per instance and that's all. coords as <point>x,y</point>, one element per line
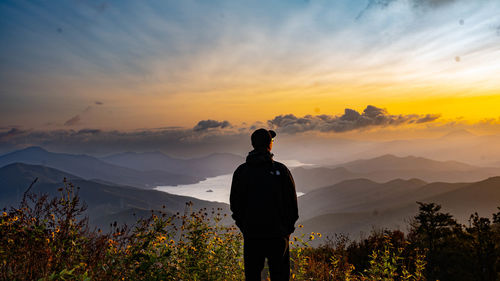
<point>49,239</point>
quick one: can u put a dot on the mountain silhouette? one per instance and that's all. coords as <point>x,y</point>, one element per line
<point>89,167</point>
<point>388,167</point>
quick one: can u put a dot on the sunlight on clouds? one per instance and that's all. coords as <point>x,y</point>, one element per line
<point>173,64</point>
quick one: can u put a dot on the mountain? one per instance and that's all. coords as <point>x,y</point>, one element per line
<point>360,195</point>
<point>106,203</point>
<point>208,166</point>
<point>408,163</point>
<point>358,206</point>
<point>388,167</point>
<point>457,134</point>
<point>309,179</point>
<point>89,167</point>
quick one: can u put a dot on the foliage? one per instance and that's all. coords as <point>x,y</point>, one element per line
<point>49,239</point>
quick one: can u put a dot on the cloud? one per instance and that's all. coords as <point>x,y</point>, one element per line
<point>73,121</point>
<point>428,118</point>
<point>433,2</point>
<point>205,125</point>
<point>174,141</point>
<point>11,133</point>
<point>351,120</point>
<point>77,120</point>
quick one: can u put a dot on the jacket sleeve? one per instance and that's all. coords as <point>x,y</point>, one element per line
<point>237,198</point>
<point>292,199</point>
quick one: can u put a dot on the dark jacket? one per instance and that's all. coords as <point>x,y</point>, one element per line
<point>263,198</point>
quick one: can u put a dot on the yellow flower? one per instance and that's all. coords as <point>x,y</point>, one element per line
<point>4,214</point>
<point>311,237</point>
<point>319,235</point>
<point>301,226</point>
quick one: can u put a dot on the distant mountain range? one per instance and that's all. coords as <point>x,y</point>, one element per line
<point>389,167</point>
<point>106,203</point>
<point>359,205</point>
<point>145,170</point>
<point>349,198</point>
<point>209,166</point>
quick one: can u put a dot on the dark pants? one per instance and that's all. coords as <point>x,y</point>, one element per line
<point>276,250</point>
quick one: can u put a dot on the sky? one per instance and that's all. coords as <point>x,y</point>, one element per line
<point>87,70</point>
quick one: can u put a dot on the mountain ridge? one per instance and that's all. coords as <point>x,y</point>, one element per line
<point>89,167</point>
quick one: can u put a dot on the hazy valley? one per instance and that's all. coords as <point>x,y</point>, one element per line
<point>351,198</point>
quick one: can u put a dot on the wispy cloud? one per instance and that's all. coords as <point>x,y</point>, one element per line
<point>73,121</point>
<point>77,119</point>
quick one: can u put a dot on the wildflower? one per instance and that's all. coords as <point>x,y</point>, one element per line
<point>311,237</point>
<point>301,226</point>
<point>4,214</point>
<point>319,234</point>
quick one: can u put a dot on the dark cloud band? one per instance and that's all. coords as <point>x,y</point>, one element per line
<point>349,121</point>
<point>205,125</point>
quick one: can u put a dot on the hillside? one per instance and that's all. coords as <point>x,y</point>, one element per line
<point>89,168</point>
<point>389,167</point>
<point>357,206</point>
<point>105,202</point>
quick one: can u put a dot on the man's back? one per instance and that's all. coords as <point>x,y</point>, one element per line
<point>263,198</point>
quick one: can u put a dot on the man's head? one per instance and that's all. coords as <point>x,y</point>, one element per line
<point>263,138</point>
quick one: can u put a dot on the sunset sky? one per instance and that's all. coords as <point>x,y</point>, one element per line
<point>143,65</point>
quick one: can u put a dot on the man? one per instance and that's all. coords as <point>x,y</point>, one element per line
<point>264,206</point>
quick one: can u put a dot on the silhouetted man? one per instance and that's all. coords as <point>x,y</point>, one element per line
<point>264,206</point>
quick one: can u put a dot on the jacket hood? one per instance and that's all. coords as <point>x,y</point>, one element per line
<point>259,156</point>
